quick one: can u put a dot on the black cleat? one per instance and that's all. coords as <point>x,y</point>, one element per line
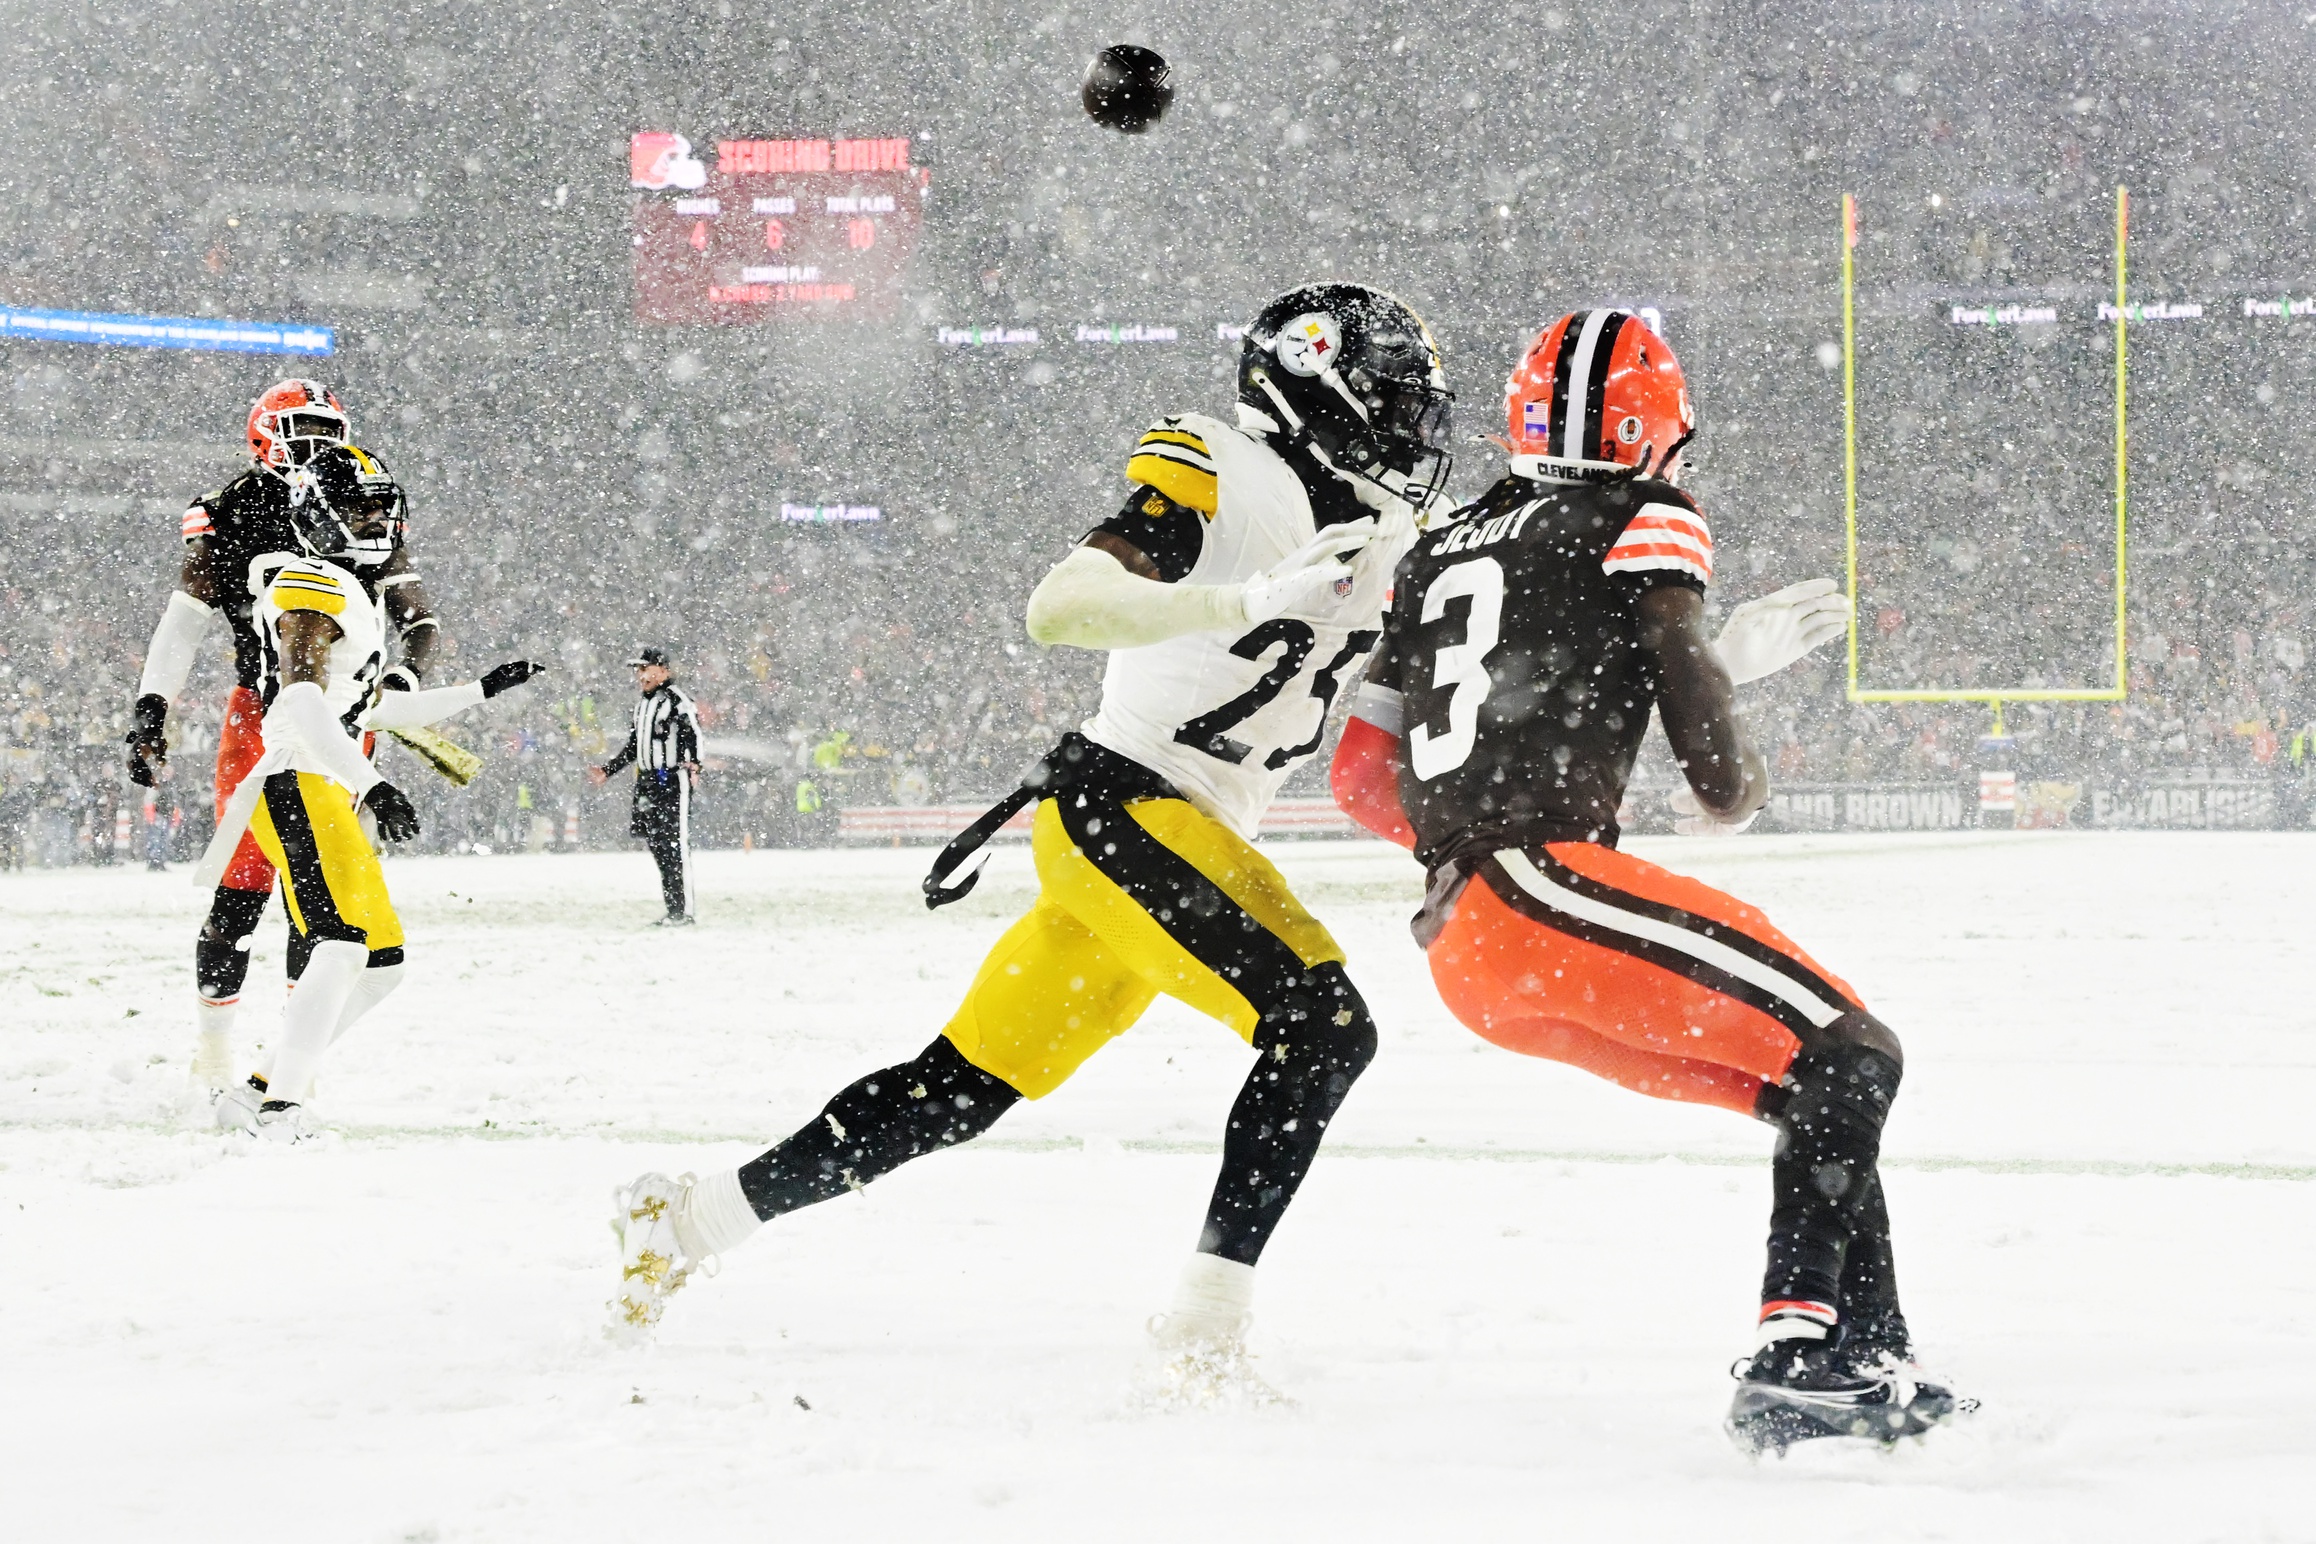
<point>1797,1390</point>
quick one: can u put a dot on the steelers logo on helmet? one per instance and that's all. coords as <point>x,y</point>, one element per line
<point>1310,344</point>
<point>1348,377</point>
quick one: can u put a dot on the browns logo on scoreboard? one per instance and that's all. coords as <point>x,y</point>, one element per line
<point>771,229</point>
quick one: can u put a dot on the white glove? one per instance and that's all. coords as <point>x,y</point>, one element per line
<point>1766,635</point>
<point>1693,819</point>
<point>1306,573</point>
<point>1373,565</point>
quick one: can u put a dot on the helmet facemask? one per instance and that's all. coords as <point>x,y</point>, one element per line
<point>293,423</point>
<point>346,507</point>
<point>1356,380</point>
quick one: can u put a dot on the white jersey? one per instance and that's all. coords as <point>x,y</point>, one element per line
<point>281,582</point>
<point>1227,716</point>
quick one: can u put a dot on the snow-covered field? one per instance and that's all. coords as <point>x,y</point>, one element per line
<point>1504,1305</point>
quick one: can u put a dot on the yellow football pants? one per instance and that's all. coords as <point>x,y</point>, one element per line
<point>330,875</point>
<point>1135,899</point>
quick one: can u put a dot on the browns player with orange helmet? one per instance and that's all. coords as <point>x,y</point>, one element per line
<point>1527,645</point>
<point>290,423</point>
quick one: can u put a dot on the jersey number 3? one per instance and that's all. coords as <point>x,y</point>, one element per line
<point>1206,732</point>
<point>1460,668</point>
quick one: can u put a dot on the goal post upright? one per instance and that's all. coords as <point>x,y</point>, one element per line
<point>1850,417</point>
<point>1993,697</point>
<point>2122,434</point>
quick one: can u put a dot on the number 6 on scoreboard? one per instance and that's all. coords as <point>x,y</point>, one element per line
<point>1462,666</point>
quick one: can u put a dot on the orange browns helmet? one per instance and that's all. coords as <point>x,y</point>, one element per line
<point>293,422</point>
<point>1598,394</point>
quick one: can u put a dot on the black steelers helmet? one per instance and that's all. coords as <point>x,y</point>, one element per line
<point>1353,374</point>
<point>335,495</point>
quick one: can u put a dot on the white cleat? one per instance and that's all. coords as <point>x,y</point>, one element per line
<point>235,1109</point>
<point>1203,1364</point>
<point>287,1124</point>
<point>657,1251</point>
<point>1201,1342</point>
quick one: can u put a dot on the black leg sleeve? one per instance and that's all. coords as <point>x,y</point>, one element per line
<point>1824,1175</point>
<point>1869,1300</point>
<point>875,1126</point>
<point>1312,1045</point>
<point>221,953</point>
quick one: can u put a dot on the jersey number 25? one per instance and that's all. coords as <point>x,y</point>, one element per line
<point>1459,668</point>
<point>1294,641</point>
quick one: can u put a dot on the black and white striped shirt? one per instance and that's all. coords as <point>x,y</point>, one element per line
<point>666,732</point>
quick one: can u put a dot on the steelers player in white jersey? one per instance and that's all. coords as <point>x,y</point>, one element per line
<point>1237,591</point>
<point>322,628</point>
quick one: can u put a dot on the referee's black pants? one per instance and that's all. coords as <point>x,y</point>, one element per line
<point>663,819</point>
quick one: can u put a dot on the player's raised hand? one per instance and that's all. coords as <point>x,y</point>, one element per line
<point>1766,635</point>
<point>148,738</point>
<point>397,821</point>
<point>1306,573</point>
<point>506,677</point>
<point>1691,818</point>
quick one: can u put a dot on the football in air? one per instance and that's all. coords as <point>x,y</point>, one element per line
<point>1127,88</point>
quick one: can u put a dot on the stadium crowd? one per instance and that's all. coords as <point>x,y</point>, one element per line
<point>817,694</point>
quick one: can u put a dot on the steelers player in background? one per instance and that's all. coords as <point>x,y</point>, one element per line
<point>1240,586</point>
<point>225,533</point>
<point>1526,647</point>
<point>321,624</point>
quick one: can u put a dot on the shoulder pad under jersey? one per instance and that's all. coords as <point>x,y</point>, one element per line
<point>1667,536</point>
<point>1173,457</point>
<point>308,586</point>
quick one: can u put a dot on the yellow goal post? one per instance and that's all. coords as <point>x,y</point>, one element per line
<point>1995,697</point>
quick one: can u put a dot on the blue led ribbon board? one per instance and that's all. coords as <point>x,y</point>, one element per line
<point>191,332</point>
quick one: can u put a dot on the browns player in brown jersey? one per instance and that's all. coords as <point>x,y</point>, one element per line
<point>1527,646</point>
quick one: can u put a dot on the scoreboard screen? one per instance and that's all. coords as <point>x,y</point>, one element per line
<point>766,230</point>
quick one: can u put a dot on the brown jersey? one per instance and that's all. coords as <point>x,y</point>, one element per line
<point>1513,643</point>
<point>243,521</point>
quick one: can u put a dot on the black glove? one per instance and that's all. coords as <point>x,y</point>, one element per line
<point>397,821</point>
<point>506,677</point>
<point>399,679</point>
<point>147,743</point>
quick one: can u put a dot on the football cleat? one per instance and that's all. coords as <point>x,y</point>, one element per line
<point>1203,1364</point>
<point>1797,1390</point>
<point>285,1123</point>
<point>236,1108</point>
<point>657,1252</point>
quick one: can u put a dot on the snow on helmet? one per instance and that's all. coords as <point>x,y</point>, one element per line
<point>1352,373</point>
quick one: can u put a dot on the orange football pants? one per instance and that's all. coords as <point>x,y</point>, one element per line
<point>1583,954</point>
<point>240,742</point>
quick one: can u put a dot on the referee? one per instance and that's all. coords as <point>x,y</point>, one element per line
<point>664,744</point>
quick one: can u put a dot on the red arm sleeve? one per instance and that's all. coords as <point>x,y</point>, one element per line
<point>1365,780</point>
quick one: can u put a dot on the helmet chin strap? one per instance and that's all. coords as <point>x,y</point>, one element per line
<point>1299,436</point>
<point>1365,486</point>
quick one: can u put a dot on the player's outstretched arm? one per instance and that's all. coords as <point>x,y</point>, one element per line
<point>169,660</point>
<point>1107,594</point>
<point>412,710</point>
<point>1365,775</point>
<point>1766,635</point>
<point>1696,701</point>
